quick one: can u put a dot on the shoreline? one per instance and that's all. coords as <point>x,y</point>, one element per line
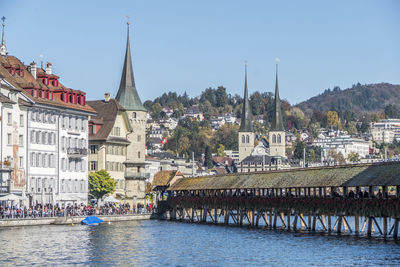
<point>70,220</point>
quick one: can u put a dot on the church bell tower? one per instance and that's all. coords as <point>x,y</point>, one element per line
<point>246,133</point>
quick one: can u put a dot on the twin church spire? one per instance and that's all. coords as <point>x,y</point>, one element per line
<point>246,124</point>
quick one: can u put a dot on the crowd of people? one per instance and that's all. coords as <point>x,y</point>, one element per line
<point>49,210</point>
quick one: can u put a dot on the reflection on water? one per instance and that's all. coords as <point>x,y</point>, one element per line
<point>154,243</point>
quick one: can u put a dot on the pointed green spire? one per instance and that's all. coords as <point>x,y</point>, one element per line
<point>277,121</point>
<point>246,123</point>
<point>127,94</point>
<point>3,49</point>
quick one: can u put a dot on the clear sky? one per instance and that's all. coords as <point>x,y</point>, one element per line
<point>192,45</point>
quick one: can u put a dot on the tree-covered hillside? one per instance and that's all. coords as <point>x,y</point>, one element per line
<point>358,99</point>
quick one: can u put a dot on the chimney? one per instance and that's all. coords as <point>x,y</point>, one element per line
<point>49,68</point>
<point>107,97</point>
<point>33,69</point>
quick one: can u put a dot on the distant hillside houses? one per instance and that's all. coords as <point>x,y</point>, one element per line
<point>386,131</point>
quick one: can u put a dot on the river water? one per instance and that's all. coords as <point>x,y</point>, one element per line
<point>165,243</point>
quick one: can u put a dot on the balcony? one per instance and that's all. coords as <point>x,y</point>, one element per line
<point>77,152</point>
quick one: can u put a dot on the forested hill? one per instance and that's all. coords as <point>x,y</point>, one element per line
<point>359,99</point>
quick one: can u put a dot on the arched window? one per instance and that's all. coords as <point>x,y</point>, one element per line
<point>279,138</point>
<point>243,139</point>
<point>134,115</point>
<point>273,138</point>
<point>247,139</point>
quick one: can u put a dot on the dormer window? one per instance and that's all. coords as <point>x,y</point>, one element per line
<point>71,98</point>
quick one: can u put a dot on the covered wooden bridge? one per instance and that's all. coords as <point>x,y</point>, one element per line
<point>331,199</point>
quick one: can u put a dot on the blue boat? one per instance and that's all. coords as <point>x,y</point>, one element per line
<point>91,220</point>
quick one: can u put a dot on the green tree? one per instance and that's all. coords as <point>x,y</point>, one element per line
<point>208,162</point>
<point>101,184</point>
<point>221,151</point>
<point>353,157</point>
<point>392,112</point>
<point>299,149</point>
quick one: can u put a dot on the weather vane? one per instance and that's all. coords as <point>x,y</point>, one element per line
<point>277,60</point>
<point>127,19</point>
<point>3,19</point>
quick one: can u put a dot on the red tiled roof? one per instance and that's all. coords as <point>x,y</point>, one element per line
<point>28,81</point>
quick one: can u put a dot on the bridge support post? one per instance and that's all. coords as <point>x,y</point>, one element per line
<point>309,220</point>
<point>396,229</point>
<point>314,222</point>
<point>357,224</point>
<point>384,227</point>
<point>226,216</point>
<point>270,218</point>
<point>215,216</point>
<point>329,223</point>
<point>295,222</point>
<point>369,229</point>
<point>288,220</point>
<point>339,224</point>
<point>275,219</point>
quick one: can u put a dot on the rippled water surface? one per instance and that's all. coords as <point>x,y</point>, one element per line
<point>163,243</point>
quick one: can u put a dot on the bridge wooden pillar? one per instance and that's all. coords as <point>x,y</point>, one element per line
<point>396,228</point>
<point>357,224</point>
<point>398,191</point>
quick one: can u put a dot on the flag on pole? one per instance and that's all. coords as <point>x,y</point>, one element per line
<point>164,141</point>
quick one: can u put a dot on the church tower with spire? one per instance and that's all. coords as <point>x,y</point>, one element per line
<point>277,131</point>
<point>128,97</point>
<point>3,49</point>
<point>246,133</point>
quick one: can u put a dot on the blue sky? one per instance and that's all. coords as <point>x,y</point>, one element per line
<point>192,45</point>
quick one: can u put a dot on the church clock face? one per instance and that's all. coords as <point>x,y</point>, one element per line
<point>260,150</point>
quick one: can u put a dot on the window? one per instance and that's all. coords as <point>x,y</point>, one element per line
<point>63,164</point>
<point>9,118</point>
<point>21,162</point>
<point>243,139</point>
<point>91,129</point>
<point>72,123</point>
<point>116,131</point>
<point>38,134</point>
<point>273,138</point>
<point>44,160</point>
<point>44,138</point>
<point>21,140</point>
<point>9,139</point>
<point>32,159</point>
<point>38,159</point>
<point>94,149</point>
<point>33,116</point>
<point>134,115</point>
<point>93,165</point>
<point>63,144</point>
<point>21,120</point>
<point>32,137</point>
<point>279,138</point>
<point>139,138</point>
<point>138,154</point>
<point>63,186</point>
<point>247,139</point>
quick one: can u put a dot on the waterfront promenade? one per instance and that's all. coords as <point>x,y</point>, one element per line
<point>71,219</point>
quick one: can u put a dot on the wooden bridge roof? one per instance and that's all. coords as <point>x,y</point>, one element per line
<point>346,175</point>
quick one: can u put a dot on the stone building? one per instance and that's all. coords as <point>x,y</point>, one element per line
<point>120,130</point>
<point>107,140</point>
